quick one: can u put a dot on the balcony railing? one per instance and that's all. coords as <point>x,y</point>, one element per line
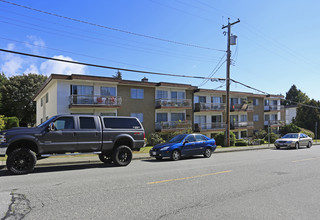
<point>173,103</point>
<point>239,125</point>
<point>209,126</point>
<point>274,123</point>
<point>241,107</point>
<point>95,100</point>
<point>209,107</point>
<point>268,108</point>
<point>173,125</point>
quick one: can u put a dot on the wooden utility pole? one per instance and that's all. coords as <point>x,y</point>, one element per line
<point>228,81</point>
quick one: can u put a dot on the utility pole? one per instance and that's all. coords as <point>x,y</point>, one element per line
<point>228,80</point>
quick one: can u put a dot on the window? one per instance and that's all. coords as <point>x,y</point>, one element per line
<point>266,117</point>
<point>234,101</point>
<point>121,123</point>
<point>47,98</point>
<point>216,99</point>
<point>162,117</point>
<point>178,117</point>
<point>82,94</point>
<point>243,100</point>
<point>274,102</point>
<point>177,95</point>
<point>274,117</point>
<point>41,101</point>
<point>255,117</point>
<point>255,102</point>
<point>243,118</point>
<point>266,102</point>
<point>108,91</point>
<point>64,123</point>
<point>161,94</point>
<point>202,99</point>
<point>190,138</point>
<point>216,118</point>
<point>233,118</point>
<point>200,137</point>
<point>243,134</point>
<point>137,93</point>
<point>137,115</point>
<point>87,123</point>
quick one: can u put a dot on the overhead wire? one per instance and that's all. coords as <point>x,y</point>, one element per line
<point>214,71</point>
<point>111,28</point>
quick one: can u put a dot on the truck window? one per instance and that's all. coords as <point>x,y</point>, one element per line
<point>87,123</point>
<point>64,123</point>
<point>121,123</point>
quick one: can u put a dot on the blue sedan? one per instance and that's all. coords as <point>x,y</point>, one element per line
<point>184,145</point>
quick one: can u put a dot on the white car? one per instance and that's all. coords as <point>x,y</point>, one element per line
<point>293,140</point>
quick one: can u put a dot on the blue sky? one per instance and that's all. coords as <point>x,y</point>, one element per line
<point>277,40</point>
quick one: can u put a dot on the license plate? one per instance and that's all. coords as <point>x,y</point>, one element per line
<point>153,153</point>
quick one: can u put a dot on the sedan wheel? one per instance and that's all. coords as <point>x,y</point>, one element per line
<point>207,153</point>
<point>175,155</point>
<point>309,144</point>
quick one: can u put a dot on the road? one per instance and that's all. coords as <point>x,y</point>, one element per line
<point>263,184</point>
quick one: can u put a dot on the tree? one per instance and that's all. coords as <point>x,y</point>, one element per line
<point>16,97</point>
<point>307,116</point>
<point>118,75</point>
<point>295,96</point>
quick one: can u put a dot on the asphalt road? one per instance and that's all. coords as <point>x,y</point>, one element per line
<point>264,184</point>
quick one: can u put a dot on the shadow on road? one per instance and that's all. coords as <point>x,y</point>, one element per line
<point>59,168</point>
<point>169,160</point>
<point>290,148</point>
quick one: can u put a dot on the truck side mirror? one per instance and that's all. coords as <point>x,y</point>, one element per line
<point>52,127</point>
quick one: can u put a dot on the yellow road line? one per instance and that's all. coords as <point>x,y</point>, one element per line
<point>190,177</point>
<point>295,161</point>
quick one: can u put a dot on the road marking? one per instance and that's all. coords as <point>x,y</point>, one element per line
<point>190,177</point>
<point>295,161</point>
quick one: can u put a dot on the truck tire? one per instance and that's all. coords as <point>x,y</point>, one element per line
<point>21,161</point>
<point>105,158</point>
<point>122,156</point>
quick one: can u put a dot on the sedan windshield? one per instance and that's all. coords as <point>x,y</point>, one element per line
<point>291,136</point>
<point>178,138</point>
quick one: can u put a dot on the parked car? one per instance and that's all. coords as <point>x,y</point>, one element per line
<point>184,145</point>
<point>112,138</point>
<point>294,140</point>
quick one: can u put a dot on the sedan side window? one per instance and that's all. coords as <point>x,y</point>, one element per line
<point>190,138</point>
<point>64,123</point>
<point>200,138</point>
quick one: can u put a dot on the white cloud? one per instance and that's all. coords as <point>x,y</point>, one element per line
<point>34,43</point>
<point>48,67</point>
<point>12,64</point>
<point>32,69</point>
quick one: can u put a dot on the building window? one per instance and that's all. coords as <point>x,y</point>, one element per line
<point>82,94</point>
<point>178,117</point>
<point>243,134</point>
<point>216,99</point>
<point>243,118</point>
<point>275,102</point>
<point>266,102</point>
<point>47,98</point>
<point>255,117</point>
<point>255,102</point>
<point>137,93</point>
<point>202,99</point>
<point>234,101</point>
<point>137,115</point>
<point>177,95</point>
<point>108,91</point>
<point>161,94</point>
<point>243,100</point>
<point>162,117</point>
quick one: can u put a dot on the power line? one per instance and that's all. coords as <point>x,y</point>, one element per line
<point>108,67</point>
<point>111,28</point>
<point>214,71</point>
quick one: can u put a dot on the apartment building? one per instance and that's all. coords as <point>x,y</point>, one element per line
<point>161,107</point>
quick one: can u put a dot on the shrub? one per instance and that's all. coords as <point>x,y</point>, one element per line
<point>307,132</point>
<point>170,135</point>
<point>273,137</point>
<point>154,139</point>
<point>290,128</point>
<point>220,137</point>
<point>241,142</point>
<point>11,122</point>
<point>261,134</point>
<point>2,122</point>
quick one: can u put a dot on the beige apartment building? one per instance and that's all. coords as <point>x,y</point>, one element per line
<point>161,107</point>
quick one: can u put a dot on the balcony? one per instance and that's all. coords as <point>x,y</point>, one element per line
<point>241,107</point>
<point>241,125</point>
<point>273,108</point>
<point>172,126</point>
<point>274,123</point>
<point>214,126</point>
<point>80,101</point>
<point>173,103</point>
<point>198,107</point>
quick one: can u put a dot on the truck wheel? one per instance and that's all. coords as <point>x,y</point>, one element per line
<point>105,158</point>
<point>122,156</point>
<point>21,161</point>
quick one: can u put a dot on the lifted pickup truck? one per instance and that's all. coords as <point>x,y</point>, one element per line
<point>112,138</point>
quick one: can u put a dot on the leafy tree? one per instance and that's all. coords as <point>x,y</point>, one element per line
<point>2,122</point>
<point>290,128</point>
<point>294,96</point>
<point>118,75</point>
<point>16,97</point>
<point>307,116</point>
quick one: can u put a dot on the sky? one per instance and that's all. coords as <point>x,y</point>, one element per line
<point>277,41</point>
